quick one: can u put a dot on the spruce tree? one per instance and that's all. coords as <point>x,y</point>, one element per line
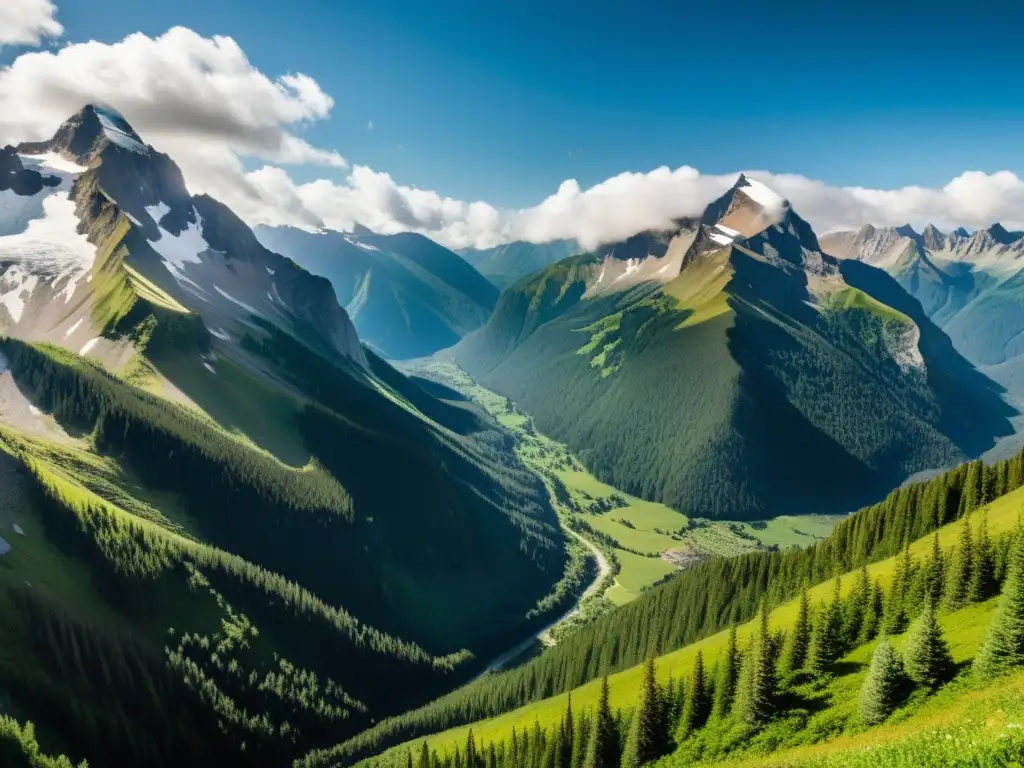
<point>827,639</point>
<point>580,741</point>
<point>895,620</point>
<point>884,686</point>
<point>645,741</point>
<point>1003,648</point>
<point>756,702</point>
<point>873,615</point>
<point>696,706</point>
<point>800,639</point>
<point>424,759</point>
<point>927,659</point>
<point>857,607</point>
<point>728,671</point>
<point>935,573</point>
<point>603,746</point>
<point>983,577</point>
<point>568,735</point>
<point>972,490</point>
<point>962,573</point>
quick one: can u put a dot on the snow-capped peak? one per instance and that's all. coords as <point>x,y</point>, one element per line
<point>761,193</point>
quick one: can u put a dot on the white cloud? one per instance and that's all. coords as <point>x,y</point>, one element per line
<point>203,102</point>
<point>626,204</point>
<point>198,99</point>
<point>27,22</point>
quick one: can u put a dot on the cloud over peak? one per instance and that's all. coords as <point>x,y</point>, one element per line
<point>203,102</point>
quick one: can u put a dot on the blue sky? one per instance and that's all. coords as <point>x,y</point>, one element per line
<point>503,101</point>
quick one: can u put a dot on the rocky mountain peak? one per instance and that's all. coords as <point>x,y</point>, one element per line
<point>934,239</point>
<point>87,133</point>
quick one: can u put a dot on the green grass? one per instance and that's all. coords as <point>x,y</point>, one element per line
<point>964,631</point>
<point>636,574</point>
<point>853,298</point>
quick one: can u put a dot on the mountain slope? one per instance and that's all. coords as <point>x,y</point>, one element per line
<point>731,369</point>
<point>506,264</point>
<point>223,497</point>
<point>407,295</point>
<point>969,284</point>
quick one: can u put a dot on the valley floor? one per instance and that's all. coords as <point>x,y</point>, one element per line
<point>643,542</point>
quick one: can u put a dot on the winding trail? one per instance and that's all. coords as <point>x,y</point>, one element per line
<point>542,635</point>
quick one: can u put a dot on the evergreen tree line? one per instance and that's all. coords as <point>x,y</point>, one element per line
<point>706,598</point>
<point>750,686</point>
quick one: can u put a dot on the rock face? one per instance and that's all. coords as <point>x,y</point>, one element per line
<point>106,223</point>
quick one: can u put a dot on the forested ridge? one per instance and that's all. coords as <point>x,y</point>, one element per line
<point>640,384</point>
<point>256,602</point>
<point>702,600</point>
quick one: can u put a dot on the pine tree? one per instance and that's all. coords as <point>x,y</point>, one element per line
<point>755,704</point>
<point>603,746</point>
<point>1003,648</point>
<point>568,736</point>
<point>935,573</point>
<point>800,639</point>
<point>962,573</point>
<point>696,706</point>
<point>580,741</point>
<point>728,671</point>
<point>895,620</point>
<point>472,760</point>
<point>424,759</point>
<point>645,741</point>
<point>927,659</point>
<point>983,578</point>
<point>827,639</point>
<point>857,607</point>
<point>873,615</point>
<point>972,492</point>
<point>884,685</point>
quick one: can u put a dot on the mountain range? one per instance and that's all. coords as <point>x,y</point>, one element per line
<point>732,368</point>
<point>506,264</point>
<point>969,284</point>
<point>407,295</point>
<point>211,487</point>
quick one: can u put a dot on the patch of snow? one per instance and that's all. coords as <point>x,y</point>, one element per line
<point>233,300</point>
<point>50,246</point>
<point>601,276</point>
<point>209,367</point>
<point>270,271</point>
<point>85,350</point>
<point>34,411</point>
<point>5,548</point>
<point>19,530</point>
<point>132,219</point>
<point>178,250</point>
<point>729,231</point>
<point>54,162</point>
<point>16,211</point>
<point>763,194</point>
<point>73,328</point>
<point>14,298</point>
<point>158,211</point>
<point>118,136</point>
<point>364,246</point>
<point>220,333</point>
<point>720,239</point>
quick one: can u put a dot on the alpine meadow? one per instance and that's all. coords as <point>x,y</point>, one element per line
<point>447,387</point>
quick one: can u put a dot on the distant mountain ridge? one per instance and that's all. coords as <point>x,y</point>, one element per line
<point>732,368</point>
<point>407,295</point>
<point>970,284</point>
<point>506,264</point>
